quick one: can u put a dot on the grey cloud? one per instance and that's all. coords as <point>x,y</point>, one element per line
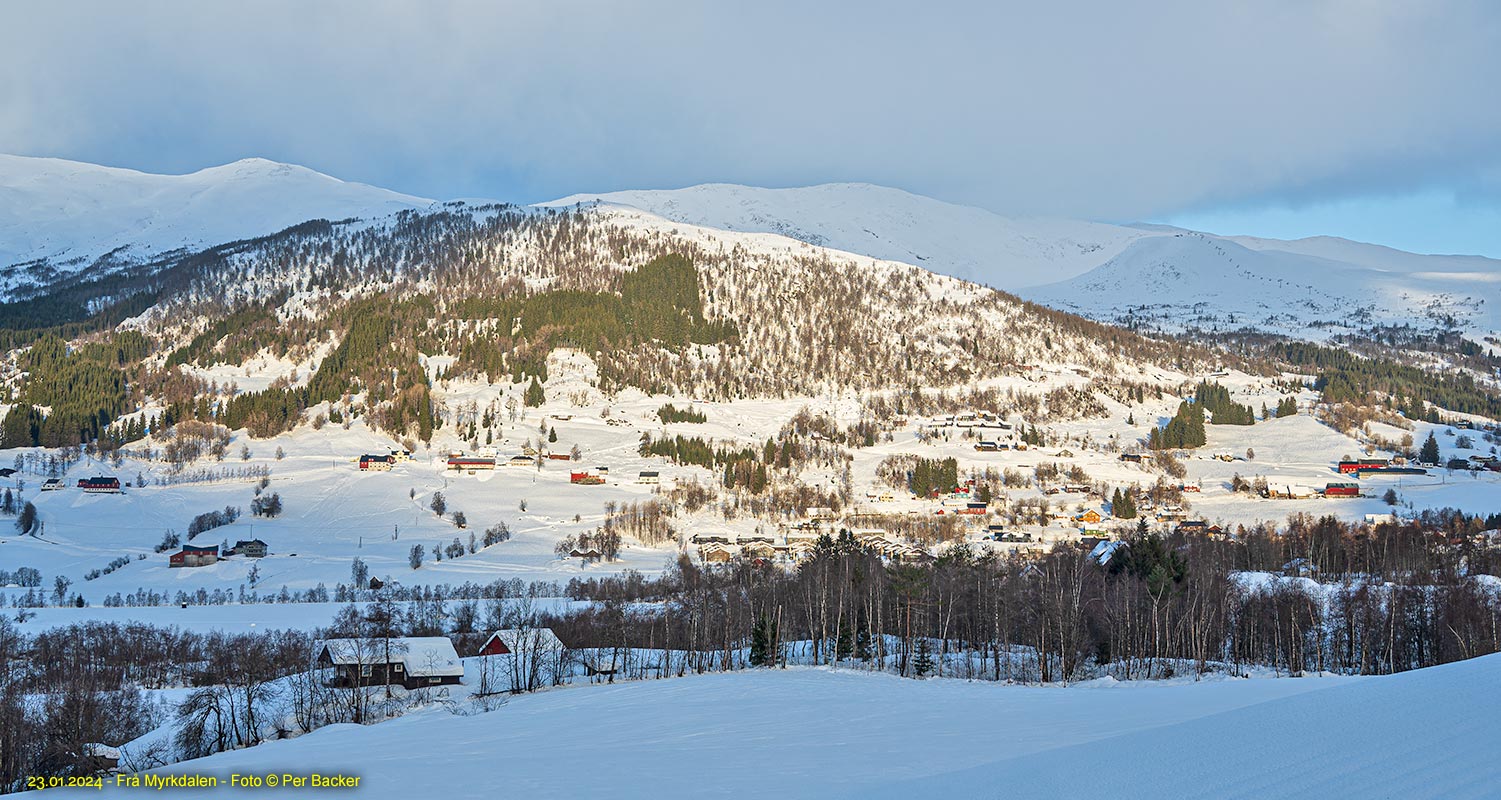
<point>1100,109</point>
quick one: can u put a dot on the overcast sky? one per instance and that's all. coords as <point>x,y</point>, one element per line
<point>1376,119</point>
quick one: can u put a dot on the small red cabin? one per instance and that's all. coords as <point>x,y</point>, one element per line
<point>1342,490</point>
<point>525,641</point>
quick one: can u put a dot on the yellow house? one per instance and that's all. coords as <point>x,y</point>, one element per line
<point>1091,516</point>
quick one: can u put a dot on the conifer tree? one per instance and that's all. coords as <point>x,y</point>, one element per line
<point>534,394</point>
<point>1429,454</point>
<point>763,642</point>
<point>923,664</point>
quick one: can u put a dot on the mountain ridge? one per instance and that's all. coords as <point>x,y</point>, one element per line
<point>64,217</point>
<point>890,224</point>
<point>59,216</point>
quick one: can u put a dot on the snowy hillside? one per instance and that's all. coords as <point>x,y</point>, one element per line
<point>1424,733</point>
<point>1297,288</point>
<point>1374,256</point>
<point>961,241</point>
<point>818,733</point>
<point>1158,274</point>
<point>57,217</point>
<point>71,213</point>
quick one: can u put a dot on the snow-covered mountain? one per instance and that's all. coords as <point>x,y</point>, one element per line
<point>1164,276</point>
<point>57,217</point>
<point>66,214</point>
<point>960,241</point>
<point>1302,288</point>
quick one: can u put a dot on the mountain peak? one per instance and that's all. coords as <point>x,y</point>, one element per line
<point>69,213</point>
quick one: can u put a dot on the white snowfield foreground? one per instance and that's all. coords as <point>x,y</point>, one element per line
<point>821,733</point>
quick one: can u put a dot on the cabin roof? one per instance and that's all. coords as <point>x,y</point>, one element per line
<point>420,656</point>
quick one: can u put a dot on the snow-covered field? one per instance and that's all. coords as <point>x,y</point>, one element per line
<point>334,513</point>
<point>824,733</point>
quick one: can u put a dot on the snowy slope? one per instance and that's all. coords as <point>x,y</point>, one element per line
<point>1426,733</point>
<point>70,213</point>
<point>1299,288</point>
<point>820,733</point>
<point>961,241</point>
<point>1374,256</point>
<point>1164,275</point>
<point>793,733</point>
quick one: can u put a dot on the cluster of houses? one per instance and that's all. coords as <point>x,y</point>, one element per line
<point>720,549</point>
<point>971,419</point>
<point>383,462</point>
<point>195,556</point>
<point>459,461</point>
<point>890,548</point>
<point>1362,467</point>
<point>1475,463</point>
<point>998,533</point>
<point>415,662</point>
<point>798,543</point>
<point>1291,491</point>
<point>101,484</point>
<point>1378,466</point>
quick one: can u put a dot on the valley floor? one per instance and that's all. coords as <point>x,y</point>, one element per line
<point>824,733</point>
<point>334,513</point>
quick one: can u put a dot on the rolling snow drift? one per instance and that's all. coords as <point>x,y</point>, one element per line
<point>821,733</point>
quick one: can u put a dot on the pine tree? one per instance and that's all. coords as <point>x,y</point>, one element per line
<point>844,646</point>
<point>923,664</point>
<point>534,394</point>
<point>1429,453</point>
<point>763,642</point>
<point>862,642</point>
<point>27,521</point>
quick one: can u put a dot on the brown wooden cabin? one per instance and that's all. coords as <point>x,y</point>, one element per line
<point>414,661</point>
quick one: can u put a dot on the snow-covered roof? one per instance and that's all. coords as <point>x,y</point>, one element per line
<point>420,656</point>
<point>1104,551</point>
<point>98,750</point>
<point>534,638</point>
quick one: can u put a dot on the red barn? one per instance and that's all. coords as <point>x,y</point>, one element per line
<point>100,484</point>
<point>1342,490</point>
<point>191,556</point>
<point>521,640</point>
